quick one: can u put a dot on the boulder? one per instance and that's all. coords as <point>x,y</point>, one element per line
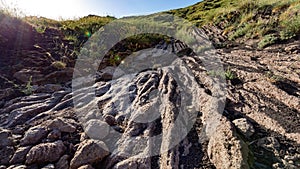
<point>45,152</point>
<point>63,162</point>
<point>54,135</point>
<point>96,129</point>
<point>34,135</point>
<point>62,125</point>
<point>20,155</point>
<point>5,138</point>
<point>110,120</point>
<point>89,152</point>
<point>5,154</point>
<point>225,150</point>
<point>24,76</point>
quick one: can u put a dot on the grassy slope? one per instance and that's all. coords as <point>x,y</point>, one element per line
<point>76,30</point>
<point>269,21</point>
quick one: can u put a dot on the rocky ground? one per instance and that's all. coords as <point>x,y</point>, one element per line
<point>259,127</point>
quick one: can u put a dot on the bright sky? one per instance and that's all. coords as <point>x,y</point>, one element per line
<point>75,8</point>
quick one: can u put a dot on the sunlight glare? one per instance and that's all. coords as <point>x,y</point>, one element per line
<point>55,9</point>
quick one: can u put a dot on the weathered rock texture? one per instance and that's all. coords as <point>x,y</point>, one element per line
<point>112,122</point>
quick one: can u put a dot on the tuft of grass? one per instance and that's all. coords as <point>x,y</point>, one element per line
<point>229,75</point>
<point>267,41</point>
<point>28,88</point>
<point>291,27</point>
<point>40,29</point>
<point>10,10</point>
<point>72,38</point>
<point>272,77</point>
<point>59,65</point>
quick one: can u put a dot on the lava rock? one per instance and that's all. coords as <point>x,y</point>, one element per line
<point>54,135</point>
<point>62,124</point>
<point>86,167</point>
<point>20,155</point>
<point>63,162</point>
<point>89,151</point>
<point>49,166</point>
<point>110,120</point>
<point>46,152</point>
<point>34,135</point>
<point>5,154</point>
<point>5,138</point>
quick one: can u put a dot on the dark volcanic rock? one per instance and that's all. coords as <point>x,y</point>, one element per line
<point>34,135</point>
<point>45,152</point>
<point>24,76</point>
<point>20,155</point>
<point>63,162</point>
<point>5,138</point>
<point>86,167</point>
<point>6,146</point>
<point>5,154</point>
<point>62,125</point>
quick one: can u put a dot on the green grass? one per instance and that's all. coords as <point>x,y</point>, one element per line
<point>267,41</point>
<point>228,74</point>
<point>76,30</point>
<point>28,88</point>
<point>59,65</point>
<point>249,19</point>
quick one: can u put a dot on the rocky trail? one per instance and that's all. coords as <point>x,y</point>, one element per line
<point>153,118</point>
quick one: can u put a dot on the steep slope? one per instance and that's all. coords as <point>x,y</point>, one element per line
<point>258,23</point>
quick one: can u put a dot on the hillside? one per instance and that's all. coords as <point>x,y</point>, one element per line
<point>259,23</point>
<point>60,107</point>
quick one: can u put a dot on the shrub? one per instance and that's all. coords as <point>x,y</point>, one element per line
<point>228,74</point>
<point>267,41</point>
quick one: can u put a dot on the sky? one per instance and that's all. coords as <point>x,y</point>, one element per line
<point>69,9</point>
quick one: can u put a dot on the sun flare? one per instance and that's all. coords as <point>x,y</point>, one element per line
<point>52,9</point>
